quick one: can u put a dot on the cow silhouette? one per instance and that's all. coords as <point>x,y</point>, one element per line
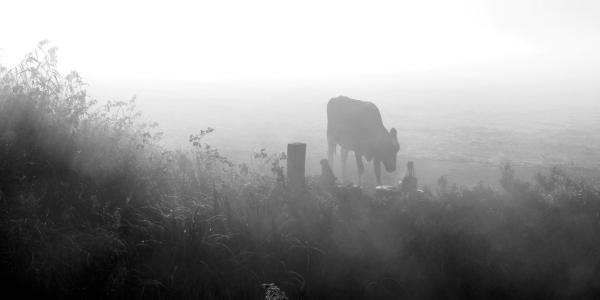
<point>357,126</point>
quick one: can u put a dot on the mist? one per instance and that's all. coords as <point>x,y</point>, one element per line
<point>534,118</point>
<point>495,103</point>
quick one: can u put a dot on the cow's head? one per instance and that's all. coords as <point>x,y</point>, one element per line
<point>388,151</point>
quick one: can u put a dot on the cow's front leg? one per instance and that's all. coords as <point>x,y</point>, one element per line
<point>344,155</point>
<point>360,168</point>
<point>331,145</point>
<point>377,164</point>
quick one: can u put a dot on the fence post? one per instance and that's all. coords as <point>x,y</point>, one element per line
<point>296,158</point>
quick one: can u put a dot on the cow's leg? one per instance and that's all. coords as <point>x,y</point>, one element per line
<point>377,164</point>
<point>360,168</point>
<point>344,156</point>
<point>331,145</point>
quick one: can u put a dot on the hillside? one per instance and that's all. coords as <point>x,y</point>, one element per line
<point>94,206</point>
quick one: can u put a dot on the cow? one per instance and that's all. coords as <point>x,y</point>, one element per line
<point>357,126</point>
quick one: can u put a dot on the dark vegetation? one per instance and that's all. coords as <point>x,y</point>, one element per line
<point>92,207</point>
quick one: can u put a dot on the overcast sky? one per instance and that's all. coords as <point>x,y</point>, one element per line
<point>202,40</point>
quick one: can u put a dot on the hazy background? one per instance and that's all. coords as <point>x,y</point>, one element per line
<point>468,84</point>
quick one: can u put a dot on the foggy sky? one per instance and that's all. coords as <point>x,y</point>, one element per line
<point>242,40</point>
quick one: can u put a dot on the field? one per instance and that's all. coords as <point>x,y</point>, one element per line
<point>96,203</point>
<point>463,131</point>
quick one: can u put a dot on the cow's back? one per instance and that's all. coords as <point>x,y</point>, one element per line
<point>350,121</point>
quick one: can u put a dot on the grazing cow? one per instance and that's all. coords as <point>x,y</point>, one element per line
<point>357,126</point>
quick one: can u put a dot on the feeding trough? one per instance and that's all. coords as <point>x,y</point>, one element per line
<point>387,191</point>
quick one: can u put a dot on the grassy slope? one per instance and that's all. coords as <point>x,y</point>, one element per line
<point>92,207</point>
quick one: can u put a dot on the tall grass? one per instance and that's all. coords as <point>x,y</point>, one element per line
<point>93,207</point>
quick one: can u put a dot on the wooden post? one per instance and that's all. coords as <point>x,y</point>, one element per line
<point>296,158</point>
<point>409,182</point>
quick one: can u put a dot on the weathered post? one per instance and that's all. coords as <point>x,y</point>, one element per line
<point>296,158</point>
<point>409,182</point>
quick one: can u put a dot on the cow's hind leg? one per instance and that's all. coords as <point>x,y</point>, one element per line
<point>344,155</point>
<point>360,168</point>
